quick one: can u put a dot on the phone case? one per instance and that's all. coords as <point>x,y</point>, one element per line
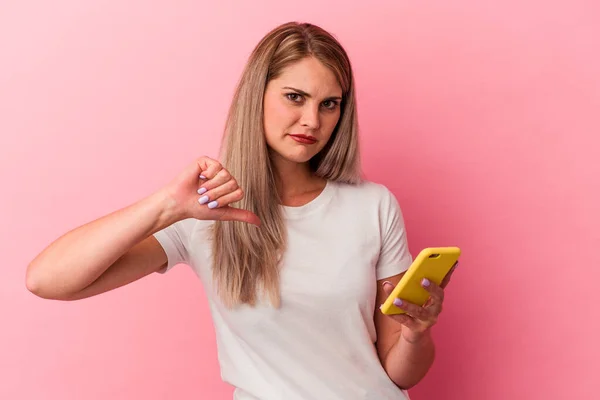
<point>432,263</point>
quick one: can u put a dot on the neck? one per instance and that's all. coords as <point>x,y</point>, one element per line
<point>294,179</point>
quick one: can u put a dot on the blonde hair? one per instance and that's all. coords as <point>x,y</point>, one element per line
<point>246,258</point>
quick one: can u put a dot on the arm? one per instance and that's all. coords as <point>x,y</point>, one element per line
<point>406,362</point>
<point>101,255</point>
<point>118,248</point>
<point>404,342</point>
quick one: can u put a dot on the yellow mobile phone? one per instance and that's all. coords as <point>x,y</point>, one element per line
<point>432,263</point>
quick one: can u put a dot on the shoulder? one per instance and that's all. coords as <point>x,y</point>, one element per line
<point>186,228</point>
<point>366,191</point>
<point>373,201</point>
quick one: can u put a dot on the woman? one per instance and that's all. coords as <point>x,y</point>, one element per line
<point>295,251</point>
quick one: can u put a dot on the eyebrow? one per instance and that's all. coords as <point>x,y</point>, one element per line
<point>307,95</point>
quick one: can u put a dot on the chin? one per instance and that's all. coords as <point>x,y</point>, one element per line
<point>299,157</point>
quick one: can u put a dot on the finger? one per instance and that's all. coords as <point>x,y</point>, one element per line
<point>446,279</point>
<point>387,288</point>
<point>209,168</point>
<point>436,292</point>
<point>222,195</point>
<point>236,214</point>
<point>221,201</point>
<point>414,310</point>
<point>221,177</point>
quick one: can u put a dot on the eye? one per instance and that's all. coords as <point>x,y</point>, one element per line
<point>330,104</point>
<point>295,97</point>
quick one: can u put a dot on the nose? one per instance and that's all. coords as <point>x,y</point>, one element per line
<point>311,117</point>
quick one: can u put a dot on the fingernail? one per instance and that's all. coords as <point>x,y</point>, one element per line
<point>387,283</point>
<point>397,302</point>
<point>203,200</point>
<point>213,204</point>
<point>426,282</point>
<point>202,177</point>
<point>201,190</point>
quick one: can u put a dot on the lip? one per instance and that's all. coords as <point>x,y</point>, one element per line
<point>305,139</point>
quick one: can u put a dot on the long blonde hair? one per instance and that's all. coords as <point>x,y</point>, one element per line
<point>246,258</point>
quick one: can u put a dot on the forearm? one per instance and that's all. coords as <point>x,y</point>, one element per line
<point>407,363</point>
<point>78,258</point>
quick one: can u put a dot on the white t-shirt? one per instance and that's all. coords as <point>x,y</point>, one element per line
<point>320,343</point>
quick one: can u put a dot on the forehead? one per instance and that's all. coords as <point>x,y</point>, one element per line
<point>311,76</point>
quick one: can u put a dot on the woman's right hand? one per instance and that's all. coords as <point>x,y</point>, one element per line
<point>204,190</point>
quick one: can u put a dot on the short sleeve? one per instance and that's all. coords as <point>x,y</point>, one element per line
<point>174,240</point>
<point>395,256</point>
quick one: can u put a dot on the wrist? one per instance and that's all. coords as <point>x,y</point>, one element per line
<point>168,210</point>
<point>416,337</point>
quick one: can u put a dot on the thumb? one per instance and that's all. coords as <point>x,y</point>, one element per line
<point>237,214</point>
<point>446,279</point>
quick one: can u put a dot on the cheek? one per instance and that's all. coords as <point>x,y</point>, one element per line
<point>330,122</point>
<point>278,117</point>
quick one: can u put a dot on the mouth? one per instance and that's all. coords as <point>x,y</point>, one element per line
<point>304,139</point>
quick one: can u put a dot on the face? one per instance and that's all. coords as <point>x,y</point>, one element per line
<point>301,110</point>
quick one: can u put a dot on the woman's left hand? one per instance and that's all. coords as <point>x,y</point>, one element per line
<point>417,320</point>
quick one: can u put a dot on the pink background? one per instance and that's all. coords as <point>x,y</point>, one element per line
<point>481,116</point>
